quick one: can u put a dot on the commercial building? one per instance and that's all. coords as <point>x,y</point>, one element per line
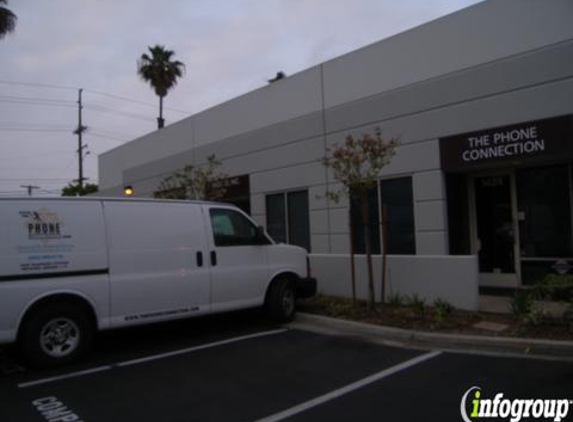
<point>482,101</point>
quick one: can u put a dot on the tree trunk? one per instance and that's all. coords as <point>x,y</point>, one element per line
<point>160,121</point>
<point>352,267</point>
<point>384,251</point>
<point>366,222</point>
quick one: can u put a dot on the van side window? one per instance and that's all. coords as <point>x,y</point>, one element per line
<point>231,228</point>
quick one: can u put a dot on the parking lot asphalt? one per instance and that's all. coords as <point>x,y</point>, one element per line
<point>238,367</point>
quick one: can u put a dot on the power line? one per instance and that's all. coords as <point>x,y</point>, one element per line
<point>110,132</point>
<point>37,85</point>
<point>23,179</point>
<point>118,97</point>
<point>105,94</point>
<point>48,100</point>
<point>29,188</point>
<point>33,125</point>
<point>4,129</point>
<point>35,156</point>
<point>111,138</point>
<point>39,103</point>
<point>101,109</point>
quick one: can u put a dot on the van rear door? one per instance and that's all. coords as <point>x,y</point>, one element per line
<point>239,263</point>
<point>157,267</point>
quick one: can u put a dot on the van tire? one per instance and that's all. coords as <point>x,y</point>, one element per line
<point>280,304</point>
<point>56,334</point>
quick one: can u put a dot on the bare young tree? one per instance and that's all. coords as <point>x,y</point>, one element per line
<point>356,165</point>
<point>203,183</point>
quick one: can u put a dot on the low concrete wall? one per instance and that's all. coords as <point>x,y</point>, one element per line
<point>450,278</point>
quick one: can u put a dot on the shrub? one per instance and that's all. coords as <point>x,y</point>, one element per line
<point>417,303</point>
<point>521,304</point>
<point>558,287</point>
<point>443,310</point>
<point>396,299</point>
<point>525,310</point>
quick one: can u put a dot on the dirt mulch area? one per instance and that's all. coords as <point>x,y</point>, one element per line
<point>427,318</point>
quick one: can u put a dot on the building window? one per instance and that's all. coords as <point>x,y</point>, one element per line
<point>544,216</point>
<point>287,218</point>
<point>397,197</point>
<point>458,214</point>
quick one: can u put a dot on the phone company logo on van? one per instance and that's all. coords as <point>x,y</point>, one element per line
<point>43,225</point>
<point>513,409</point>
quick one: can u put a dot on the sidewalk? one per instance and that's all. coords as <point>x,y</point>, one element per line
<point>549,349</point>
<point>502,305</point>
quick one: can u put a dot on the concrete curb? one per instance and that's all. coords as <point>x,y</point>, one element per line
<point>420,339</point>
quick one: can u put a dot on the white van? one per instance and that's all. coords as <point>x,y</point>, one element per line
<point>69,267</point>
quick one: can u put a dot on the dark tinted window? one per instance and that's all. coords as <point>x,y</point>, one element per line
<point>287,218</point>
<point>230,228</point>
<point>544,212</point>
<point>397,196</point>
<point>276,217</point>
<point>298,224</point>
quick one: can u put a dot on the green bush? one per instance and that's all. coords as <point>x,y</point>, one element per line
<point>396,299</point>
<point>443,310</point>
<point>417,303</point>
<point>521,304</point>
<point>557,287</point>
<point>525,310</point>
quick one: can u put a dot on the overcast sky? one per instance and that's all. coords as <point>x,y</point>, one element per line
<point>229,47</point>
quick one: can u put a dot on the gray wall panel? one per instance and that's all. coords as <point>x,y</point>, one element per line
<point>319,222</point>
<point>547,100</point>
<point>319,243</point>
<point>300,176</point>
<point>430,215</point>
<point>297,95</point>
<point>530,69</point>
<point>479,34</point>
<point>432,243</point>
<point>310,150</point>
<point>428,186</point>
<point>293,130</point>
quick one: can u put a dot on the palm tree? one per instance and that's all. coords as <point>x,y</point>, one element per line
<point>160,72</point>
<point>7,19</point>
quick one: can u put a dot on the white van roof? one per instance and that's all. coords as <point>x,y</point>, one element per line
<point>110,199</point>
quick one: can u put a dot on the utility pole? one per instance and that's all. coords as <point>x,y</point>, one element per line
<point>81,129</point>
<point>30,188</point>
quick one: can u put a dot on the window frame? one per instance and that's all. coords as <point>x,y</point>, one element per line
<point>255,240</point>
<point>379,207</point>
<point>285,194</point>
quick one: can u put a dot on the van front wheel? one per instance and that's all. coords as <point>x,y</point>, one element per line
<point>281,299</point>
<point>56,335</point>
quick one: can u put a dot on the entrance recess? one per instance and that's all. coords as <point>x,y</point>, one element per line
<point>494,230</point>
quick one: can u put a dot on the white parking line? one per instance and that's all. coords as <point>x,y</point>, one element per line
<point>201,347</point>
<point>348,388</point>
<point>150,358</point>
<point>64,376</point>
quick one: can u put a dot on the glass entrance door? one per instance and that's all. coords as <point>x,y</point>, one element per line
<point>494,229</point>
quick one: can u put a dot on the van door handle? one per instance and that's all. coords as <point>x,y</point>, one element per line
<point>213,258</point>
<point>199,259</point>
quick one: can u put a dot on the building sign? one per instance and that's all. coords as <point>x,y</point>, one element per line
<point>524,142</point>
<point>235,187</point>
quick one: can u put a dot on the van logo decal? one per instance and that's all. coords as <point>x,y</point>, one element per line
<point>43,225</point>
